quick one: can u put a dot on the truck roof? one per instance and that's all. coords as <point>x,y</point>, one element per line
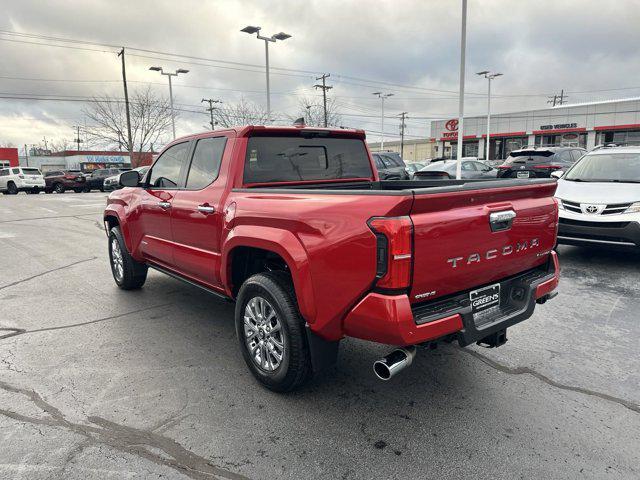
<point>247,130</point>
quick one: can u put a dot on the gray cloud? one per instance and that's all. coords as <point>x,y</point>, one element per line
<point>540,46</point>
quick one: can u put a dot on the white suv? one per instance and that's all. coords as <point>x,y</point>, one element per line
<point>599,199</point>
<point>17,179</point>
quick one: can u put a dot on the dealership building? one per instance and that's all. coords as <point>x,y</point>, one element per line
<point>582,124</point>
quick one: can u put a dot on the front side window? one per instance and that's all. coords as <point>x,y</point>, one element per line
<point>15,171</point>
<point>205,164</point>
<point>298,158</point>
<point>166,171</point>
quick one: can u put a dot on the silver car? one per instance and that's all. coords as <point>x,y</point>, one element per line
<point>471,169</point>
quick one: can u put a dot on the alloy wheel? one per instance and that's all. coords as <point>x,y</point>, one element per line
<point>263,334</point>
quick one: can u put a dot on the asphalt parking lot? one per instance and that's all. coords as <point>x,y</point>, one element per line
<point>100,383</point>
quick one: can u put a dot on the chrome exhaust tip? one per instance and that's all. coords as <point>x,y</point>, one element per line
<point>394,363</point>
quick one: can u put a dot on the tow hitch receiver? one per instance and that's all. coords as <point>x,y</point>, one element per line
<point>494,340</point>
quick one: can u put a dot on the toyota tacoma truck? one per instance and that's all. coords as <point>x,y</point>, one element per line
<point>294,226</point>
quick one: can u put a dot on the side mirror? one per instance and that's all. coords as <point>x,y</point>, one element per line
<point>129,179</point>
<point>557,174</point>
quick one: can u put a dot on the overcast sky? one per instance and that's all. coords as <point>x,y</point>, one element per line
<point>540,46</point>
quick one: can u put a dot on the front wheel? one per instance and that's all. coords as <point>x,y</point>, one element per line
<point>128,273</point>
<point>59,188</point>
<point>271,332</point>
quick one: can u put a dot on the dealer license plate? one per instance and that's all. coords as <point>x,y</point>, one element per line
<point>484,298</point>
<point>522,174</point>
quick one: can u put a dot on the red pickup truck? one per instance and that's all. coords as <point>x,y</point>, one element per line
<point>294,225</point>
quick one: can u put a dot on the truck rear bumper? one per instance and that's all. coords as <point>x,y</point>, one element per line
<point>391,319</point>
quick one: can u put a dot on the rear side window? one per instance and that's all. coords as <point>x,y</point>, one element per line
<point>205,164</point>
<point>166,171</point>
<point>290,159</point>
<point>564,157</point>
<point>4,173</point>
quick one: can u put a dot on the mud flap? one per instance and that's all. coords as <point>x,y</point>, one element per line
<point>324,353</point>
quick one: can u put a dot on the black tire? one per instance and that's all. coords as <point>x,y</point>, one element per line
<point>59,188</point>
<point>295,367</point>
<point>12,189</point>
<point>48,190</point>
<point>102,189</point>
<point>78,190</point>
<point>86,190</point>
<point>134,273</point>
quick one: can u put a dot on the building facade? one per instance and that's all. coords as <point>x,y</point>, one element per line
<point>86,160</point>
<point>413,151</point>
<point>583,124</point>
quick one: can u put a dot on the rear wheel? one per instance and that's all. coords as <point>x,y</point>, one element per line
<point>11,188</point>
<point>128,273</point>
<point>78,190</point>
<point>59,188</point>
<point>271,332</point>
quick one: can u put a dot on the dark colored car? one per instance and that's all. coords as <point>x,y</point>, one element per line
<point>95,180</point>
<point>539,162</point>
<point>390,166</point>
<point>61,180</point>
<point>447,170</point>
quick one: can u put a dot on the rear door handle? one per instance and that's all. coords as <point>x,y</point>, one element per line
<point>164,205</point>
<point>206,208</point>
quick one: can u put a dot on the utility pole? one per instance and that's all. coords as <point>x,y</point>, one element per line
<point>26,155</point>
<point>45,143</point>
<point>382,97</point>
<point>558,99</point>
<point>126,105</point>
<point>324,88</point>
<point>77,140</point>
<point>402,127</point>
<point>211,108</point>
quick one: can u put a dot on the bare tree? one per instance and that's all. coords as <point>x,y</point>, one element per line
<point>313,112</point>
<point>241,113</point>
<point>60,145</point>
<point>150,121</point>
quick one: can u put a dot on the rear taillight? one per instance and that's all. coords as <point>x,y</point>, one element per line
<point>393,251</point>
<point>549,167</point>
<point>504,167</point>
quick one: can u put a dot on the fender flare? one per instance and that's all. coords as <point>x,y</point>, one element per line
<point>283,243</point>
<point>118,213</point>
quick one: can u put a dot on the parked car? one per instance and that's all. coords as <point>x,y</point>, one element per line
<point>95,180</point>
<point>599,199</point>
<point>113,182</point>
<point>471,169</point>
<point>539,162</point>
<point>60,181</point>
<point>21,179</point>
<point>413,167</point>
<point>293,225</point>
<point>390,166</point>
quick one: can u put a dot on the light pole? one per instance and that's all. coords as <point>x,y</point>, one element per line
<point>382,97</point>
<point>169,74</point>
<point>463,48</point>
<point>278,36</point>
<point>489,76</point>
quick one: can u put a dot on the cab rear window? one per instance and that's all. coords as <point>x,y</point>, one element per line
<point>290,159</point>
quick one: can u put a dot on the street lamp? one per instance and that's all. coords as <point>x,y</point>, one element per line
<point>463,50</point>
<point>382,97</point>
<point>489,76</point>
<point>278,36</point>
<point>169,74</point>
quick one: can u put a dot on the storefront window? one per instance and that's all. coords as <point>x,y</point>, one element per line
<point>562,140</point>
<point>623,137</point>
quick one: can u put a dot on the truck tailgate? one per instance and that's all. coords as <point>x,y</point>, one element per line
<point>457,246</point>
